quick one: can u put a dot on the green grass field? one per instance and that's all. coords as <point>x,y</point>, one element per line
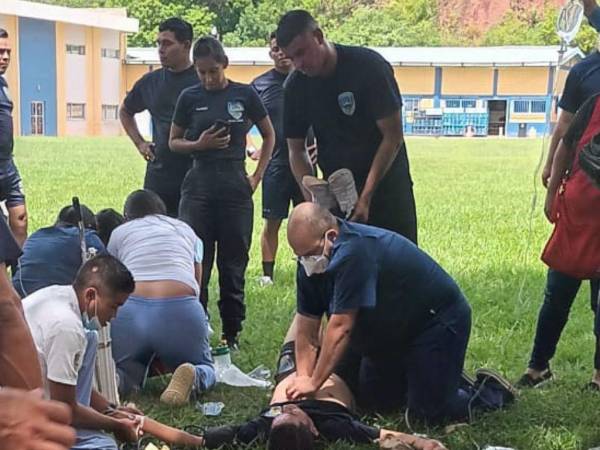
<point>473,203</point>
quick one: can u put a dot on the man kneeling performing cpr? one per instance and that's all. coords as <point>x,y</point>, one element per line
<point>398,325</point>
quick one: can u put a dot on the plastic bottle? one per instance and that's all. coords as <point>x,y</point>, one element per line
<point>228,373</point>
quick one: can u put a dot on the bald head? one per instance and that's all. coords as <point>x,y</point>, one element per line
<point>307,225</point>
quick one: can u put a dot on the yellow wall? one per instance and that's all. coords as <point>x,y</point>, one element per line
<point>468,81</point>
<point>93,118</point>
<point>522,80</point>
<point>415,80</point>
<point>245,74</point>
<point>11,25</point>
<point>61,103</point>
<point>134,72</point>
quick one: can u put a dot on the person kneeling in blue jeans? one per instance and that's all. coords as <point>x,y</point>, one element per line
<point>396,322</point>
<point>163,318</point>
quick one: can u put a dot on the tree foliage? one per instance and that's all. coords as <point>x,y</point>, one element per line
<point>360,22</point>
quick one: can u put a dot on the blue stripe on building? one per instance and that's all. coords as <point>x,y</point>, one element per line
<point>37,62</point>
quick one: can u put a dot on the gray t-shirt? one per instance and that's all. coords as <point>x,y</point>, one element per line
<point>156,248</point>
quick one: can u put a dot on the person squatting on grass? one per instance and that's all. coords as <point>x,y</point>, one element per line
<point>561,288</point>
<point>157,92</point>
<point>398,325</point>
<point>163,318</point>
<point>52,255</point>
<point>210,123</point>
<point>11,186</point>
<point>64,321</point>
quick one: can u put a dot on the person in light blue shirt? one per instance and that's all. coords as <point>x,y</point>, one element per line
<point>52,255</point>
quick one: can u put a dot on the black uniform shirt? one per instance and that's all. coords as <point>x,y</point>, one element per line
<point>269,87</point>
<point>197,110</point>
<point>343,109</point>
<point>333,421</point>
<point>9,249</point>
<point>157,92</point>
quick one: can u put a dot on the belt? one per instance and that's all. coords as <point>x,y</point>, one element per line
<point>219,164</point>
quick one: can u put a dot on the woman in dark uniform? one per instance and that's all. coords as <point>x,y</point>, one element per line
<point>210,123</point>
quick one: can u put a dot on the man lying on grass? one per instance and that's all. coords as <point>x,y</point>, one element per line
<point>296,425</point>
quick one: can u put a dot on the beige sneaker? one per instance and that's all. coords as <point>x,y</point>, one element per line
<point>319,190</point>
<point>180,387</point>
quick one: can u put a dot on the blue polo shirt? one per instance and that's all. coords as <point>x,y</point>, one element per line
<point>51,255</point>
<point>396,287</point>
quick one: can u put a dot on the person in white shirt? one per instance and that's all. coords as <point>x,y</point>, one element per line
<point>63,322</point>
<point>163,319</point>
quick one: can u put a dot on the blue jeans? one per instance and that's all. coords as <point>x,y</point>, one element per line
<point>559,295</point>
<point>90,439</point>
<point>425,374</point>
<point>174,330</point>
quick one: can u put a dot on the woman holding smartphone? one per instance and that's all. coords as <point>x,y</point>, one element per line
<point>210,123</point>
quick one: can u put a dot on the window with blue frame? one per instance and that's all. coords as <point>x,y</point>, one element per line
<point>453,103</point>
<point>529,106</point>
<point>410,104</point>
<point>538,106</point>
<point>457,103</point>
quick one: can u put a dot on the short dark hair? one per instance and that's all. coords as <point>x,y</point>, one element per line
<point>292,24</point>
<point>3,33</point>
<point>182,30</point>
<point>105,272</point>
<point>106,221</point>
<point>273,35</point>
<point>291,436</point>
<point>209,46</point>
<point>142,203</point>
<point>68,217</point>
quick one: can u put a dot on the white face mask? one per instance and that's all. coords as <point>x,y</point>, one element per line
<point>314,264</point>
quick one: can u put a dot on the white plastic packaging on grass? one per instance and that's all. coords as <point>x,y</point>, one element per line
<point>228,373</point>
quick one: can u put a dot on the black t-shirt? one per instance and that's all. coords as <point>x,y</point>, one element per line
<point>157,92</point>
<point>9,249</point>
<point>582,82</point>
<point>197,110</point>
<point>6,121</point>
<point>269,87</point>
<point>580,122</point>
<point>333,421</point>
<point>343,109</point>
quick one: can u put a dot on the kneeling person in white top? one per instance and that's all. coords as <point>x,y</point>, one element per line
<point>63,322</point>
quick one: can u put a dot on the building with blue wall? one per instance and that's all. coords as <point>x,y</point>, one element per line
<point>67,73</point>
<point>453,91</point>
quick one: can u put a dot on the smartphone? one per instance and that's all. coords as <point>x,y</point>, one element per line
<point>220,124</point>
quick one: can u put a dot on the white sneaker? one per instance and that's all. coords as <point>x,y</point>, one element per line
<point>265,281</point>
